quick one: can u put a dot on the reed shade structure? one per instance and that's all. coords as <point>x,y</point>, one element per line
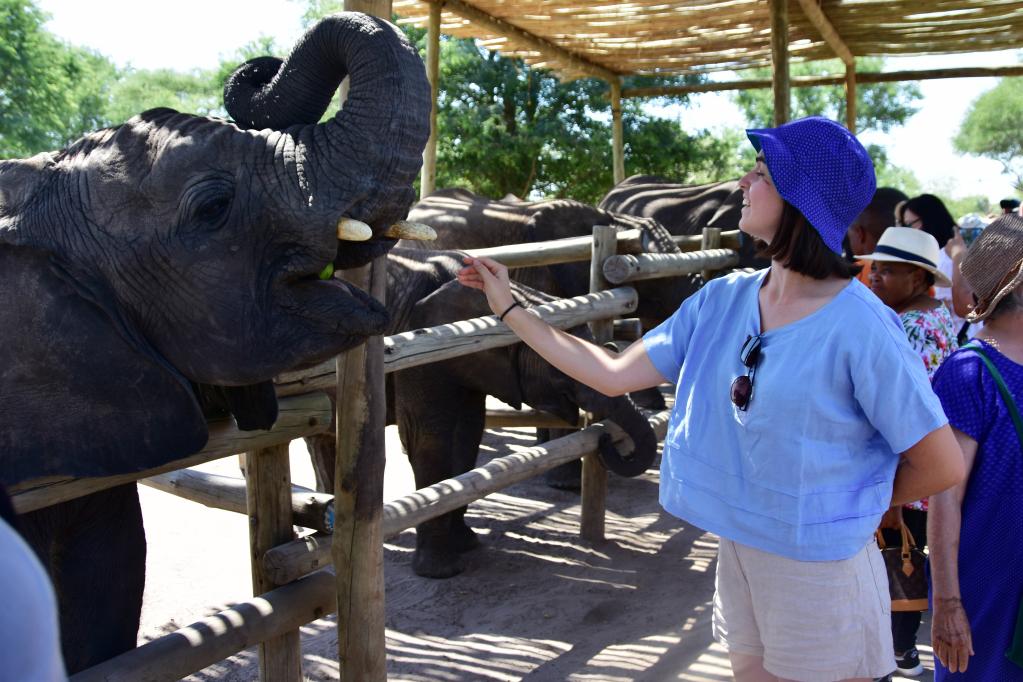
<point>607,39</point>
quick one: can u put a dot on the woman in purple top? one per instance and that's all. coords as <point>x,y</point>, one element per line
<point>976,527</point>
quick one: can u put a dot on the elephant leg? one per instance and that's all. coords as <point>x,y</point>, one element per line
<point>95,550</point>
<point>567,476</point>
<point>465,448</point>
<point>428,429</point>
<point>323,453</point>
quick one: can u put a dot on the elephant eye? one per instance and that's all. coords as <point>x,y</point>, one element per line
<point>207,204</point>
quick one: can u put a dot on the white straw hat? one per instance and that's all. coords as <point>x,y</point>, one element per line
<point>909,245</point>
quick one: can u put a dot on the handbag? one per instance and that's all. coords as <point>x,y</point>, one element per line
<point>907,583</point>
<point>1015,651</point>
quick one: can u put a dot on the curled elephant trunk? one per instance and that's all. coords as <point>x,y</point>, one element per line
<point>366,158</point>
<point>624,412</point>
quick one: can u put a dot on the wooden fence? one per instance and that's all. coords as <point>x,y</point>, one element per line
<point>293,578</point>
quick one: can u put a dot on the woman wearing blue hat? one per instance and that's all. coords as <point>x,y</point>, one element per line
<point>801,414</point>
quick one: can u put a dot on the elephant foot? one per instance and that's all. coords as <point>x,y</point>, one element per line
<point>565,477</point>
<point>434,563</point>
<point>463,538</point>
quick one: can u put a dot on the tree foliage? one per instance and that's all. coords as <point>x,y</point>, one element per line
<point>879,106</point>
<point>993,128</point>
<point>50,93</point>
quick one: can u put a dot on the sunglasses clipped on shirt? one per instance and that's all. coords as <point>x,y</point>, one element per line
<point>741,391</point>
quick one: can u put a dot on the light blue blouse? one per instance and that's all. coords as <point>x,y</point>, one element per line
<point>807,470</point>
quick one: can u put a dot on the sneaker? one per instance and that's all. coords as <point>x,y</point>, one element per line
<point>908,663</point>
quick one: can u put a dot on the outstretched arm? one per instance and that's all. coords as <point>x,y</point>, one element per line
<point>950,627</point>
<point>934,464</point>
<point>610,373</point>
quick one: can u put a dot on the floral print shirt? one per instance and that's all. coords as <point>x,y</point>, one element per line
<point>932,334</point>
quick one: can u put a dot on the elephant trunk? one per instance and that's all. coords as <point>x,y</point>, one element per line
<point>623,412</point>
<point>365,158</point>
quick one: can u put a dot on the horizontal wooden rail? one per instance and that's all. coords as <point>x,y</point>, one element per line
<point>520,418</point>
<point>814,81</point>
<point>619,269</point>
<point>219,636</point>
<point>423,346</point>
<point>309,508</point>
<point>294,559</point>
<point>298,416</point>
<point>577,249</point>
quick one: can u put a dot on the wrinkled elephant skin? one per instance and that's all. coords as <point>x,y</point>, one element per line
<point>167,268</point>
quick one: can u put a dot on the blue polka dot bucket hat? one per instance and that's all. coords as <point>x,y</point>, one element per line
<point>820,168</point>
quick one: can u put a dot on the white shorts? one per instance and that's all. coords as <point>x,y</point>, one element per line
<point>812,621</point>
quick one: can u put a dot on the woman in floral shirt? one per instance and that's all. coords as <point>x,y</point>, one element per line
<point>902,272</point>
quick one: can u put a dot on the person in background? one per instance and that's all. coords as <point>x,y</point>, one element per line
<point>928,213</point>
<point>786,447</point>
<point>878,216</point>
<point>976,527</point>
<point>903,269</point>
<point>1010,205</point>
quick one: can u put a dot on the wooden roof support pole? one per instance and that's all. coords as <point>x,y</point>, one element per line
<point>548,49</point>
<point>780,60</point>
<point>358,549</point>
<point>850,98</point>
<point>428,179</point>
<point>817,17</point>
<point>617,132</point>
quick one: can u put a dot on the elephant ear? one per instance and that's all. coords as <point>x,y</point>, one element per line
<point>80,393</point>
<point>19,180</point>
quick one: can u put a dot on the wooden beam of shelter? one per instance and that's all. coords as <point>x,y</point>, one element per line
<point>534,42</point>
<point>820,21</point>
<point>780,60</point>
<point>814,81</point>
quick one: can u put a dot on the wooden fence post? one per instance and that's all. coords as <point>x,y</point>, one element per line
<point>357,547</point>
<point>594,476</point>
<point>269,507</point>
<point>780,60</point>
<point>711,240</point>
<point>428,178</point>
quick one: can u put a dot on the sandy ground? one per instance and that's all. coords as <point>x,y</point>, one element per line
<point>534,603</point>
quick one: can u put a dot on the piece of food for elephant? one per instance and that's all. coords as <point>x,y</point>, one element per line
<point>404,229</point>
<point>327,272</point>
<point>351,230</point>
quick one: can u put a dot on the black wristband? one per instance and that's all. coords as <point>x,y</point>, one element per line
<point>508,310</point>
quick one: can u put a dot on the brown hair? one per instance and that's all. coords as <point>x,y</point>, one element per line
<point>799,247</point>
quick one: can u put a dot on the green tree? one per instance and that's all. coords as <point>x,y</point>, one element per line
<point>879,106</point>
<point>50,93</point>
<point>993,128</point>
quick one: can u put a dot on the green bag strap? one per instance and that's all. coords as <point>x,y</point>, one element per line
<point>1015,651</point>
<point>1002,388</point>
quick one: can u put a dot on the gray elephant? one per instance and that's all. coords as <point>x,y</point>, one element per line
<point>168,268</point>
<point>683,209</point>
<point>464,220</point>
<point>439,407</point>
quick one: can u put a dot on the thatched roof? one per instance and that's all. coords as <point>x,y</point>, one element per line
<point>604,38</point>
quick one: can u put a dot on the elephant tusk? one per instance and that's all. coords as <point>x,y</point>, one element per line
<point>350,230</point>
<point>404,229</point>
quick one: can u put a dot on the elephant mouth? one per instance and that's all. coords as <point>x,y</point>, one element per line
<point>334,313</point>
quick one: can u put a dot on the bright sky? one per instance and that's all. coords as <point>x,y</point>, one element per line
<point>146,38</point>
